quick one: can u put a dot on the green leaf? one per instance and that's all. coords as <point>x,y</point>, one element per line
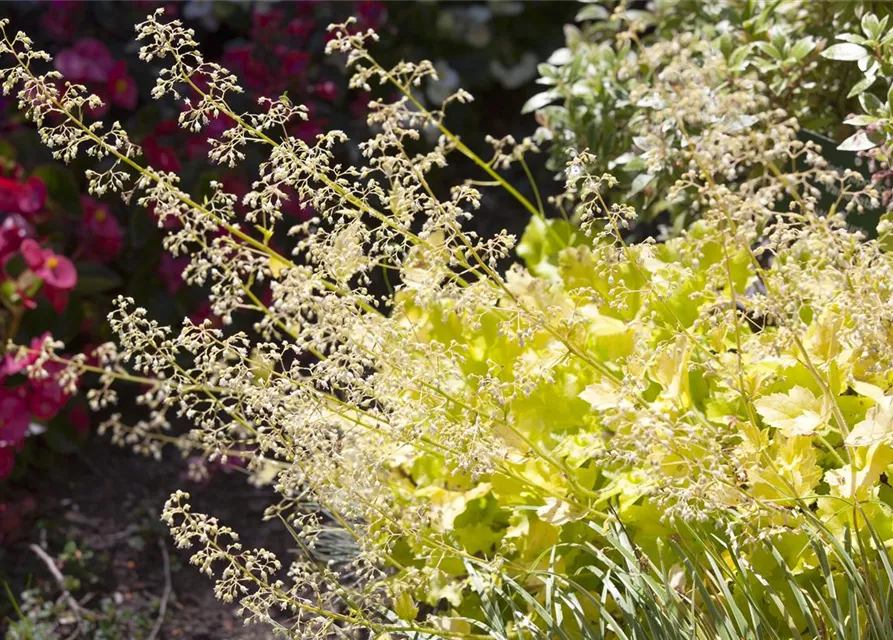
<point>96,278</point>
<point>851,37</point>
<point>802,48</point>
<point>871,26</point>
<point>738,58</point>
<point>770,50</point>
<point>592,12</point>
<point>871,104</point>
<point>845,51</point>
<point>859,141</point>
<point>539,101</point>
<point>861,121</point>
<point>862,85</point>
<point>877,427</point>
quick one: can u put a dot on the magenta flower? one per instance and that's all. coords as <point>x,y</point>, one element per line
<point>55,270</point>
<point>327,90</point>
<point>11,364</point>
<point>80,420</point>
<point>121,87</point>
<point>14,419</point>
<point>102,234</point>
<point>88,60</point>
<point>13,230</point>
<point>160,157</point>
<point>25,198</point>
<point>46,398</point>
<point>58,298</point>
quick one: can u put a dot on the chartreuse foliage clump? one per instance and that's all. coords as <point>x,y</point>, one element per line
<point>685,437</point>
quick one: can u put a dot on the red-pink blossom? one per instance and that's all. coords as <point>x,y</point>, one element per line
<point>102,235</point>
<point>14,419</point>
<point>25,198</point>
<point>79,419</point>
<point>55,270</point>
<point>13,230</point>
<point>327,90</point>
<point>58,298</point>
<point>121,87</point>
<point>45,397</point>
<point>88,60</point>
<point>12,363</point>
<point>253,73</point>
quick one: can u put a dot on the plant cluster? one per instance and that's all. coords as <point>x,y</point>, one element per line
<point>276,50</point>
<point>748,59</point>
<point>520,452</point>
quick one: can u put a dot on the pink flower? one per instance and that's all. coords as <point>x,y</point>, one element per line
<point>58,298</point>
<point>121,87</point>
<point>88,60</point>
<point>11,364</point>
<point>21,198</point>
<point>46,397</point>
<point>101,232</point>
<point>327,90</point>
<point>55,270</point>
<point>171,271</point>
<point>13,230</point>
<point>14,419</point>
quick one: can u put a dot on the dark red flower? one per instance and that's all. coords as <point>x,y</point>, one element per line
<point>301,27</point>
<point>102,234</point>
<point>161,157</point>
<point>80,420</point>
<point>14,419</point>
<point>25,198</point>
<point>293,63</point>
<point>58,298</point>
<point>253,72</point>
<point>121,87</point>
<point>327,90</point>
<point>61,19</point>
<point>371,13</point>
<point>13,230</point>
<point>7,464</point>
<point>45,396</point>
